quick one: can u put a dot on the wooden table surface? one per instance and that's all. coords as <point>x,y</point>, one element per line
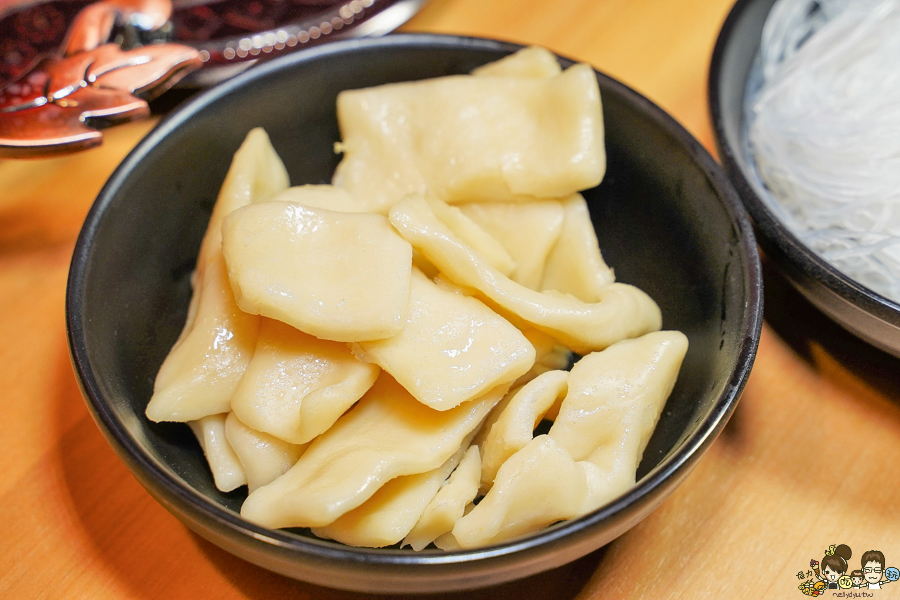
<point>808,460</point>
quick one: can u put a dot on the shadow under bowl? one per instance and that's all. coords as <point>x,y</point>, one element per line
<point>666,217</point>
<point>863,312</point>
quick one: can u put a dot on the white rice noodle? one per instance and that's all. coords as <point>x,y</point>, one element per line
<point>824,128</point>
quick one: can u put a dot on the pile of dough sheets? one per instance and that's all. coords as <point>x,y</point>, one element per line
<point>371,358</point>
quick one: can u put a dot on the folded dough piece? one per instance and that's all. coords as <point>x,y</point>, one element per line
<point>574,264</point>
<point>447,542</point>
<point>337,276</point>
<point>622,388</point>
<point>533,62</point>
<point>256,175</point>
<point>228,473</point>
<point>328,197</point>
<point>559,358</point>
<point>263,457</point>
<point>527,230</point>
<point>549,356</point>
<point>202,370</point>
<point>452,349</point>
<point>390,514</point>
<point>474,235</point>
<point>514,428</point>
<point>450,503</point>
<point>296,386</point>
<point>387,434</point>
<point>465,138</point>
<point>606,419</point>
<point>536,487</point>
<point>622,312</point>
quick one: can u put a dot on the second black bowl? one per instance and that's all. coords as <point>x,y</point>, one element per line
<point>855,307</point>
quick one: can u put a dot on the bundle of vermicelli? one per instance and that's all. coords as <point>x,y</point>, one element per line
<point>823,126</point>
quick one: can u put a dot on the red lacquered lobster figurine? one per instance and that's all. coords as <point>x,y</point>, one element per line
<point>58,105</point>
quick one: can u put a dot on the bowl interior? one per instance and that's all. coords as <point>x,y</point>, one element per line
<point>665,217</point>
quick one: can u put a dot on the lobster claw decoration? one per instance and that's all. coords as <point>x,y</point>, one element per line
<point>57,106</point>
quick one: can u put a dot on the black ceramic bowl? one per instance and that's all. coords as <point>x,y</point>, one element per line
<point>855,307</point>
<point>666,217</point>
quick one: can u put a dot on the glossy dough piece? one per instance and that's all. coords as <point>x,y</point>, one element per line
<point>593,449</point>
<point>546,350</point>
<point>328,197</point>
<point>450,503</point>
<point>474,235</point>
<point>557,359</point>
<point>387,434</point>
<point>615,398</point>
<point>622,312</point>
<point>390,514</point>
<point>527,230</point>
<point>337,276</point>
<point>296,386</point>
<point>263,457</point>
<point>228,473</point>
<point>574,264</point>
<point>202,370</point>
<point>465,139</point>
<point>256,175</point>
<point>549,356</point>
<point>512,430</point>
<point>452,348</point>
<point>536,487</point>
<point>533,62</point>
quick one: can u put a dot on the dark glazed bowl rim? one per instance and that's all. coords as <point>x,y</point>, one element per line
<point>638,501</point>
<point>772,231</point>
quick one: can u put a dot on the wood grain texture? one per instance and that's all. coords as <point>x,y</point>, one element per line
<point>808,460</point>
